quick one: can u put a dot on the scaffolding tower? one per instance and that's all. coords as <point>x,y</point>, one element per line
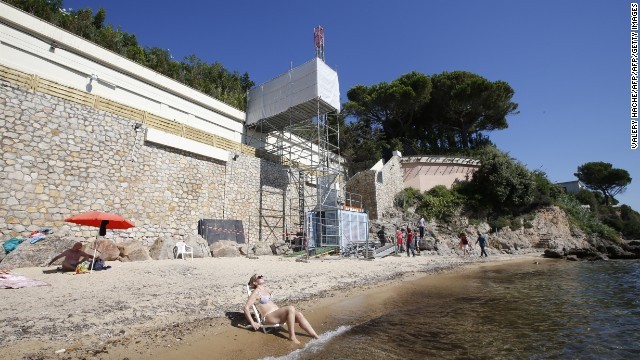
<point>290,114</point>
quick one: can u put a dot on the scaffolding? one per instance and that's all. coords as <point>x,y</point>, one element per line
<point>291,116</point>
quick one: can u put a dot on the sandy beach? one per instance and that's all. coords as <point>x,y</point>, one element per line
<point>160,309</point>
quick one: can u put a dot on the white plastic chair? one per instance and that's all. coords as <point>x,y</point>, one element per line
<point>256,316</point>
<point>183,249</point>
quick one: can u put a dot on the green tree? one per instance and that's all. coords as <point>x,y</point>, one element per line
<point>391,107</point>
<point>501,185</point>
<point>462,105</point>
<point>601,176</point>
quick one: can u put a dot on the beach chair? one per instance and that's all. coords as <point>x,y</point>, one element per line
<point>256,316</point>
<point>183,249</point>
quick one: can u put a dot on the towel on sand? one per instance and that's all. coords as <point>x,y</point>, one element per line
<point>8,281</point>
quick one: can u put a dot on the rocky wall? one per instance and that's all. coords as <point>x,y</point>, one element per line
<point>60,158</point>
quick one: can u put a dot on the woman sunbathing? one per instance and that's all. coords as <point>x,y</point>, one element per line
<point>271,313</point>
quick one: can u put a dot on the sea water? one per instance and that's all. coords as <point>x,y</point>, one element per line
<point>560,309</point>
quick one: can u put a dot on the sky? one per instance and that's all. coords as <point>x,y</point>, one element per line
<point>568,62</point>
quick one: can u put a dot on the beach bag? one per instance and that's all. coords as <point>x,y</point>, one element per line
<point>98,264</point>
<point>11,244</point>
<point>83,267</point>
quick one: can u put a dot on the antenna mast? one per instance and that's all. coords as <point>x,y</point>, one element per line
<point>318,40</point>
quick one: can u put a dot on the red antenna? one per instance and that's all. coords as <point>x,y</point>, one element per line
<point>318,40</point>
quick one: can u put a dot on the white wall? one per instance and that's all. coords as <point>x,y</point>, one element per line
<point>25,45</point>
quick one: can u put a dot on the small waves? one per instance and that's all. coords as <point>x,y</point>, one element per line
<point>313,346</point>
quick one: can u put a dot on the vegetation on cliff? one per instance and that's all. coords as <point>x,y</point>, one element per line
<point>504,193</point>
<point>210,78</point>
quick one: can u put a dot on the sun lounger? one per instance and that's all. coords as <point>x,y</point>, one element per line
<point>256,316</point>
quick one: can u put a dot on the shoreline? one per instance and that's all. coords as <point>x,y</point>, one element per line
<point>150,309</point>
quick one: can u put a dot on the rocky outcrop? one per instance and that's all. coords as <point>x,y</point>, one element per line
<point>40,253</point>
<point>549,231</point>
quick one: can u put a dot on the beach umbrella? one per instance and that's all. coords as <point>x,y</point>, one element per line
<point>101,220</point>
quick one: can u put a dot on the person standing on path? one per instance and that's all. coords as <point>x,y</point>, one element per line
<point>464,244</point>
<point>421,227</point>
<point>399,239</point>
<point>410,242</point>
<point>483,242</point>
<point>382,236</point>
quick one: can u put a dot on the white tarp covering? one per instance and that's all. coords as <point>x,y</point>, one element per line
<point>354,227</point>
<point>292,96</point>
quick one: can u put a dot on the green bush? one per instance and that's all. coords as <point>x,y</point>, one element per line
<point>500,222</point>
<point>407,198</point>
<point>585,219</point>
<point>439,203</point>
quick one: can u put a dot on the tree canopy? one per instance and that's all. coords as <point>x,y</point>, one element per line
<point>601,176</point>
<point>449,112</point>
<point>212,79</point>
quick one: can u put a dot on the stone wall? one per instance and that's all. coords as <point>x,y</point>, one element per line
<point>61,158</point>
<point>388,183</point>
<point>378,188</point>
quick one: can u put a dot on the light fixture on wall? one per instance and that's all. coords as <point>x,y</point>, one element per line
<point>94,77</point>
<point>235,157</point>
<point>137,126</point>
<point>53,47</point>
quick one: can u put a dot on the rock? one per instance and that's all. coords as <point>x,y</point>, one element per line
<point>616,252</point>
<point>225,248</point>
<point>280,248</point>
<point>554,253</point>
<point>572,257</point>
<point>107,249</point>
<point>162,248</point>
<point>260,248</point>
<point>133,250</point>
<point>40,253</point>
<point>427,244</point>
<point>199,245</point>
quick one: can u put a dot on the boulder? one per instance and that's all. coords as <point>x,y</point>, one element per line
<point>107,249</point>
<point>427,244</point>
<point>554,253</point>
<point>572,257</point>
<point>199,244</point>
<point>280,247</point>
<point>225,248</point>
<point>615,252</point>
<point>260,248</point>
<point>40,253</point>
<point>133,250</point>
<point>162,248</point>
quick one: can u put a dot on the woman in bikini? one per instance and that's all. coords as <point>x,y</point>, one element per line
<point>271,313</point>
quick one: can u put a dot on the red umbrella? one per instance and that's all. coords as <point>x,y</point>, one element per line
<point>96,219</point>
<point>100,220</point>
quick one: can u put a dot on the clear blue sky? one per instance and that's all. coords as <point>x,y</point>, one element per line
<point>568,62</point>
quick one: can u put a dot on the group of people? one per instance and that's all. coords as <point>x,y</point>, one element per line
<point>405,236</point>
<point>465,244</point>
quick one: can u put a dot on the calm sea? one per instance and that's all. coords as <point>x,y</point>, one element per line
<point>558,310</point>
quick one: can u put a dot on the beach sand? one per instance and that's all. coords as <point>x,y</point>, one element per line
<point>169,309</point>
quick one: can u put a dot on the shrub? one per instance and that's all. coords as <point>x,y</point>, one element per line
<point>500,222</point>
<point>439,203</point>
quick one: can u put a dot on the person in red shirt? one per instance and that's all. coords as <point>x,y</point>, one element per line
<point>410,242</point>
<point>464,244</point>
<point>399,239</point>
